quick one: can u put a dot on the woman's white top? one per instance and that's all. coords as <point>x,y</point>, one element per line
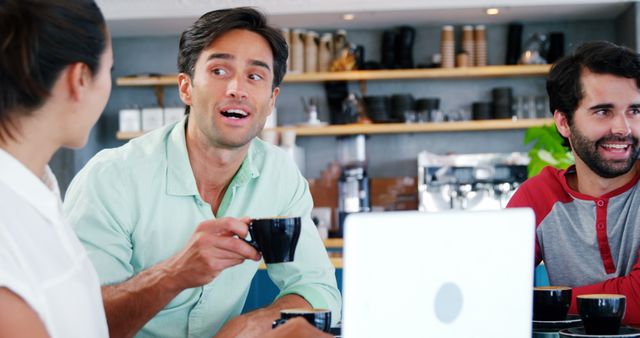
<point>41,259</point>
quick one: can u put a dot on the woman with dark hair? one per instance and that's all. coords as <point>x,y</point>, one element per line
<point>55,78</point>
<point>55,61</point>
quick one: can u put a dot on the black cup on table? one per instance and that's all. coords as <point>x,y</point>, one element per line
<point>601,314</point>
<point>320,318</point>
<point>551,303</point>
<point>276,238</point>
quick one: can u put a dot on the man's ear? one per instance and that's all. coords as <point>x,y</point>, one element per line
<point>562,124</point>
<point>184,88</point>
<point>77,77</point>
<point>274,96</point>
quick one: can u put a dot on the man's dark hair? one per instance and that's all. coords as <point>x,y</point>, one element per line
<point>38,39</point>
<point>214,24</point>
<point>600,57</point>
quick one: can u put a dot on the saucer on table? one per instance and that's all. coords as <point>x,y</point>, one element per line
<point>625,332</point>
<point>570,321</point>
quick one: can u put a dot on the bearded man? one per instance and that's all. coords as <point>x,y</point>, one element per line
<point>587,216</point>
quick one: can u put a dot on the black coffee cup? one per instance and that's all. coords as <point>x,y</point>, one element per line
<point>276,238</point>
<point>551,303</point>
<point>320,318</point>
<point>601,314</point>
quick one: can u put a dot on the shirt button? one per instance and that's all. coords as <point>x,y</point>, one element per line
<point>600,203</point>
<point>600,225</point>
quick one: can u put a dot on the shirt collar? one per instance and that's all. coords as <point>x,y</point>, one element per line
<point>43,194</point>
<point>180,179</point>
<point>248,170</point>
<point>572,170</point>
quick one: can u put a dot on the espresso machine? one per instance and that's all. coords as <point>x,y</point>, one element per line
<point>469,181</point>
<point>353,186</point>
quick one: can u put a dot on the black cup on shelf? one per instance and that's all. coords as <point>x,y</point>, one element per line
<point>425,107</point>
<point>514,43</point>
<point>400,105</point>
<point>502,102</point>
<point>377,108</point>
<point>482,111</point>
<point>404,47</point>
<point>388,51</point>
<point>556,47</point>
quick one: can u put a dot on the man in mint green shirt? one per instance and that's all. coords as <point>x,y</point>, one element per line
<point>161,215</point>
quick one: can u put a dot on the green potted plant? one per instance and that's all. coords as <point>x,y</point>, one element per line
<point>548,149</point>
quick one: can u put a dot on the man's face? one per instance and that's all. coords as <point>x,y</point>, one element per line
<point>230,93</point>
<point>605,126</point>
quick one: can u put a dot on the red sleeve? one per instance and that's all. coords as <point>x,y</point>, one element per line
<point>628,285</point>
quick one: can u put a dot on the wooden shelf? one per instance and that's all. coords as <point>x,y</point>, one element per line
<point>397,128</point>
<point>162,80</point>
<point>432,73</point>
<point>333,243</point>
<point>365,75</point>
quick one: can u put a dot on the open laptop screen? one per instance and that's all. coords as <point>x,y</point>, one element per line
<point>445,274</point>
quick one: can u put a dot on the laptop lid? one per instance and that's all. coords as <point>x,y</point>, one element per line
<point>445,274</point>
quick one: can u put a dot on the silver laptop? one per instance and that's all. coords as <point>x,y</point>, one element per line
<point>447,274</point>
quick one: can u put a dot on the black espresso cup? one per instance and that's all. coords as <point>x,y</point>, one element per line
<point>551,303</point>
<point>320,318</point>
<point>601,314</point>
<point>276,238</point>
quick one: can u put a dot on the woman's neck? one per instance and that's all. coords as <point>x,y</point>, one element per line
<point>33,143</point>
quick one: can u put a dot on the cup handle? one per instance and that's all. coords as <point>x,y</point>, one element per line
<point>252,241</point>
<point>278,322</point>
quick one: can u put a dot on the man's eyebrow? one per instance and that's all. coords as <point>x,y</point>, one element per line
<point>260,64</point>
<point>224,56</point>
<point>601,106</point>
<point>610,105</point>
<point>227,56</point>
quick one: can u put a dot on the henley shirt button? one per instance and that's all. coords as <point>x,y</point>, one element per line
<point>600,225</point>
<point>600,203</point>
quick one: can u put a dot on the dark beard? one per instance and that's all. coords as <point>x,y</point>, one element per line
<point>587,150</point>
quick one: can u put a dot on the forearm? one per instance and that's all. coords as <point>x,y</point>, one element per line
<point>258,322</point>
<point>131,304</point>
<point>290,301</point>
<point>628,285</point>
<point>265,316</point>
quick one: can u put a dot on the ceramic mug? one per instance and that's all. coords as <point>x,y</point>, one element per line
<point>276,238</point>
<point>601,314</point>
<point>320,318</point>
<point>551,303</point>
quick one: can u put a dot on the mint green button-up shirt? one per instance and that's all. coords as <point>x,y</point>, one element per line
<point>137,205</point>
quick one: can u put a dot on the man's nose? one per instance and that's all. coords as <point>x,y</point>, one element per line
<point>621,125</point>
<point>236,88</point>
